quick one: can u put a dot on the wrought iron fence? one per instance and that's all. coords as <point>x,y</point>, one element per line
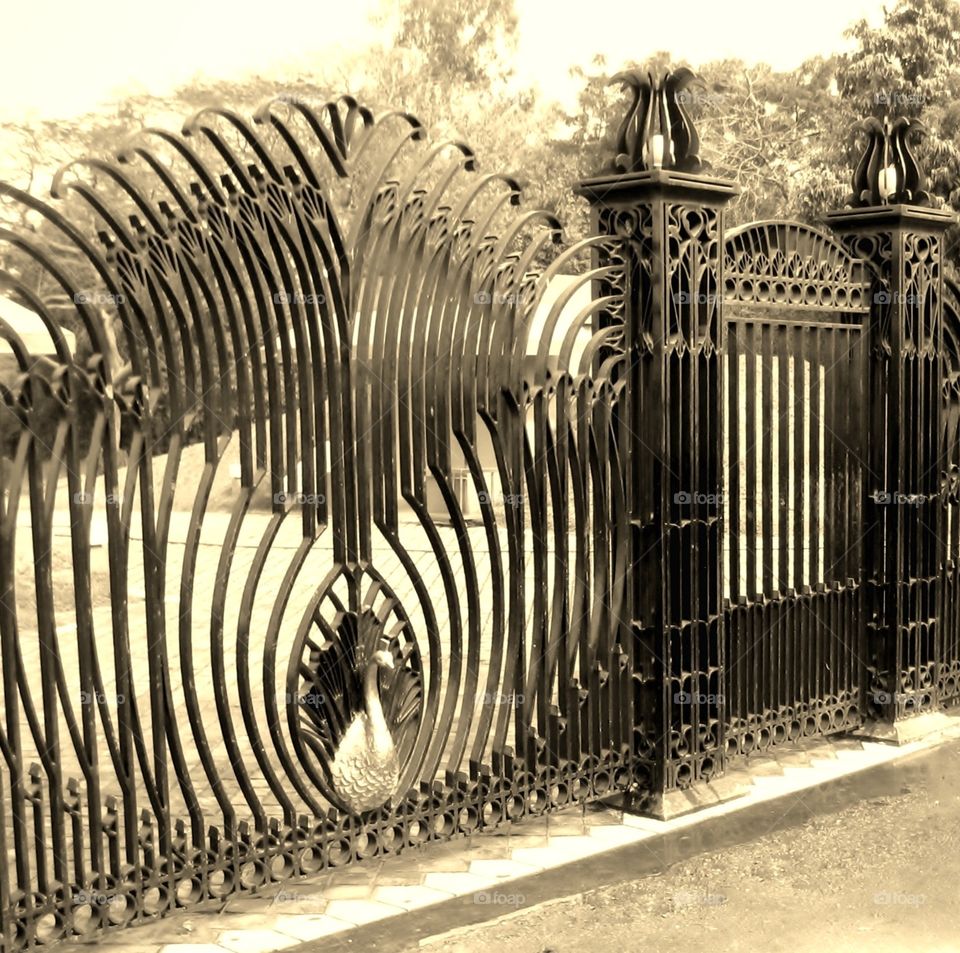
<point>341,313</point>
<point>339,531</point>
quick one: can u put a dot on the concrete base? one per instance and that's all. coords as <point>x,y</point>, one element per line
<point>667,805</point>
<point>762,766</point>
<point>906,730</point>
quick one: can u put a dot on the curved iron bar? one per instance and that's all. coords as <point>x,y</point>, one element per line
<point>370,363</point>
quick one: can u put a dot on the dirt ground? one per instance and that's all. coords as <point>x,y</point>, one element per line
<point>882,875</point>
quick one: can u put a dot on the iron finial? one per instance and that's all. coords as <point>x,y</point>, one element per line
<point>657,132</point>
<point>888,172</point>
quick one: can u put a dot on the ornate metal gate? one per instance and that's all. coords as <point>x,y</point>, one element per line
<point>796,418</point>
<point>335,533</point>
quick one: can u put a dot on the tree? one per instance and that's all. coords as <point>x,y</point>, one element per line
<point>910,66</point>
<point>465,41</point>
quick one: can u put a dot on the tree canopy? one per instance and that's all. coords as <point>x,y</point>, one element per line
<point>788,138</point>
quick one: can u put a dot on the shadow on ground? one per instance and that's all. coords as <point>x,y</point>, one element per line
<point>871,862</point>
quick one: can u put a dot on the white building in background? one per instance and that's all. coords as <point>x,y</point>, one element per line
<point>31,330</point>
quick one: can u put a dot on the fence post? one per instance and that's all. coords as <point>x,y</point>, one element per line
<point>665,221</point>
<point>890,223</point>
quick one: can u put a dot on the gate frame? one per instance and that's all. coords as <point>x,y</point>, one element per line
<point>815,273</point>
<point>903,244</point>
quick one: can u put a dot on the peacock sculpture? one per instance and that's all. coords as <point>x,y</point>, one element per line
<point>360,704</point>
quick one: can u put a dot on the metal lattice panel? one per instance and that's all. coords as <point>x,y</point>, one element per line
<point>794,265</point>
<point>330,659</point>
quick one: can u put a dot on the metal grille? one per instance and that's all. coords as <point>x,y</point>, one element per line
<point>343,316</point>
<point>795,419</point>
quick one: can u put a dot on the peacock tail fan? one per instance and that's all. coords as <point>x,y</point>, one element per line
<point>401,690</point>
<point>332,692</point>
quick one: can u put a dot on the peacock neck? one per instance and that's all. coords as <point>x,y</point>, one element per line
<point>371,698</point>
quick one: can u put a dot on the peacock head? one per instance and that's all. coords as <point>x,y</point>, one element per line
<point>378,660</point>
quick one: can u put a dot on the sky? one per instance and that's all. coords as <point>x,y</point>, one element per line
<point>62,59</point>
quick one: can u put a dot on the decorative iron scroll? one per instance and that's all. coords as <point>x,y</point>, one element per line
<point>320,656</point>
<point>888,173</point>
<point>657,132</point>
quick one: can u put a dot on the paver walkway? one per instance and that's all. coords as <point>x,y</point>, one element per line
<point>490,871</point>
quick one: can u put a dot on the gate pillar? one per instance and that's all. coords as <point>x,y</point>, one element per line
<point>664,217</point>
<point>890,223</point>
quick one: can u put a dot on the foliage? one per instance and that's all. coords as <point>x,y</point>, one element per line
<point>787,138</point>
<point>465,40</point>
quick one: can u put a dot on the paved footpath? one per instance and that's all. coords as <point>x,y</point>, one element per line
<point>880,874</point>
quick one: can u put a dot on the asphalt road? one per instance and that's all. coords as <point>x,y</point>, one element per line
<point>870,864</point>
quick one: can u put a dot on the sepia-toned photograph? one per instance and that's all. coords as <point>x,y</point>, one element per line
<point>480,477</point>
